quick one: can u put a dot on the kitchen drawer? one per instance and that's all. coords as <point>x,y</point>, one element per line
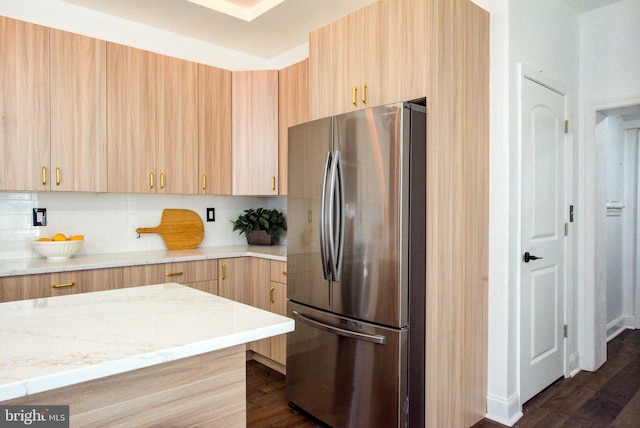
<point>59,284</point>
<point>180,272</point>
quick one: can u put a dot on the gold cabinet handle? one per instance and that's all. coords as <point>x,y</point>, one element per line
<point>284,272</point>
<point>271,294</point>
<point>224,271</point>
<point>44,175</point>
<point>66,284</point>
<point>173,273</point>
<point>162,180</point>
<point>151,180</point>
<point>364,93</point>
<point>354,96</point>
<point>57,176</point>
<point>273,182</point>
<point>204,182</point>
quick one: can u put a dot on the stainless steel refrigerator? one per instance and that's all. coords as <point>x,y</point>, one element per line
<point>356,267</point>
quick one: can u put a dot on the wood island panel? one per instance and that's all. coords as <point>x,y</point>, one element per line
<point>203,390</point>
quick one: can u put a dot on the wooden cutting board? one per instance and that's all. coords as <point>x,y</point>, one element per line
<point>180,229</point>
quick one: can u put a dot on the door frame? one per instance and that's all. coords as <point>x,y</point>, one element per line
<point>525,72</point>
<point>591,264</point>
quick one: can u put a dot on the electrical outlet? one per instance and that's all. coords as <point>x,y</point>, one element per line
<point>39,216</point>
<point>211,214</point>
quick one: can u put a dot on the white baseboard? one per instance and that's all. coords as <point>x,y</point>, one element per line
<point>504,411</point>
<point>573,364</point>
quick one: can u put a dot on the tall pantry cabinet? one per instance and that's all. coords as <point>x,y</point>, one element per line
<point>438,49</point>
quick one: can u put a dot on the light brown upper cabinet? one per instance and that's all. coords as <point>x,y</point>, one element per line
<point>177,120</point>
<point>293,109</point>
<point>131,119</point>
<point>376,55</point>
<point>214,124</point>
<point>255,132</point>
<point>78,113</point>
<point>25,151</point>
<point>152,122</point>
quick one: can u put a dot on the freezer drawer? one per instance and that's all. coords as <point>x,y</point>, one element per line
<point>347,373</point>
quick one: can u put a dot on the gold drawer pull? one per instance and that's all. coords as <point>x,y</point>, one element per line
<point>57,176</point>
<point>354,96</point>
<point>66,284</point>
<point>271,294</point>
<point>162,180</point>
<point>284,272</point>
<point>364,93</point>
<point>204,182</point>
<point>224,271</point>
<point>151,180</point>
<point>173,273</point>
<point>44,175</point>
<point>273,182</point>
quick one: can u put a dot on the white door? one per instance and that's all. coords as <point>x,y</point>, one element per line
<point>542,304</point>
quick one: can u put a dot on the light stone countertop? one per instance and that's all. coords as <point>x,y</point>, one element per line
<point>53,342</point>
<point>38,265</point>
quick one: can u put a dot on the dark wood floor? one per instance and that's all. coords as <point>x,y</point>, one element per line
<point>609,397</point>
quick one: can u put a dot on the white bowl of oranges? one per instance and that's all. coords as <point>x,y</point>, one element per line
<point>58,247</point>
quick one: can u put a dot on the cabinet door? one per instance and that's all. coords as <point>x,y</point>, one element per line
<point>135,276</point>
<point>131,119</point>
<point>259,297</point>
<point>364,58</point>
<point>214,125</point>
<point>255,132</point>
<point>328,84</point>
<point>206,286</point>
<point>293,109</point>
<point>24,106</point>
<point>78,113</point>
<point>278,302</point>
<point>177,123</point>
<point>234,278</point>
<point>404,49</point>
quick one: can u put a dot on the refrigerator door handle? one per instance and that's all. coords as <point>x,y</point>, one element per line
<point>374,338</point>
<point>341,216</point>
<point>323,216</point>
<point>336,225</point>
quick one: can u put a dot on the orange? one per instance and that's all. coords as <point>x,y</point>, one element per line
<point>45,239</point>
<point>76,238</point>
<point>59,237</point>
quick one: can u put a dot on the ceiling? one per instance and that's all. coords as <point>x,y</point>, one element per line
<point>264,28</point>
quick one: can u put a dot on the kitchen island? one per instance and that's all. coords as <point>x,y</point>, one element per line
<point>161,354</point>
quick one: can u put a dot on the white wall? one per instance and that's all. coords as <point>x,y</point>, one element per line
<point>543,36</point>
<point>109,220</point>
<point>609,70</point>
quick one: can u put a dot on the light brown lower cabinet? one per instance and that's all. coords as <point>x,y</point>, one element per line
<point>59,284</point>
<point>269,292</point>
<point>199,274</point>
<point>233,279</point>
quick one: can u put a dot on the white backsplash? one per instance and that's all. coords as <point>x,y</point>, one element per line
<point>109,221</point>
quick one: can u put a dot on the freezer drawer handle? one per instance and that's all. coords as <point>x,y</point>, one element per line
<point>375,338</point>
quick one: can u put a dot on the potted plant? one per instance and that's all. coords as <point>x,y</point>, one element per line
<point>261,226</point>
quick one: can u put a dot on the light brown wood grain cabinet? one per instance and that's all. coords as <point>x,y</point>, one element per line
<point>53,105</point>
<point>374,56</point>
<point>214,130</point>
<point>37,286</point>
<point>293,109</point>
<point>234,279</point>
<point>255,132</point>
<point>199,274</point>
<point>152,122</point>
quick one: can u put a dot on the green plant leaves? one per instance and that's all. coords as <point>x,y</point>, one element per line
<point>272,221</point>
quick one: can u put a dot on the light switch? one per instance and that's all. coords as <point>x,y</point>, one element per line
<point>39,216</point>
